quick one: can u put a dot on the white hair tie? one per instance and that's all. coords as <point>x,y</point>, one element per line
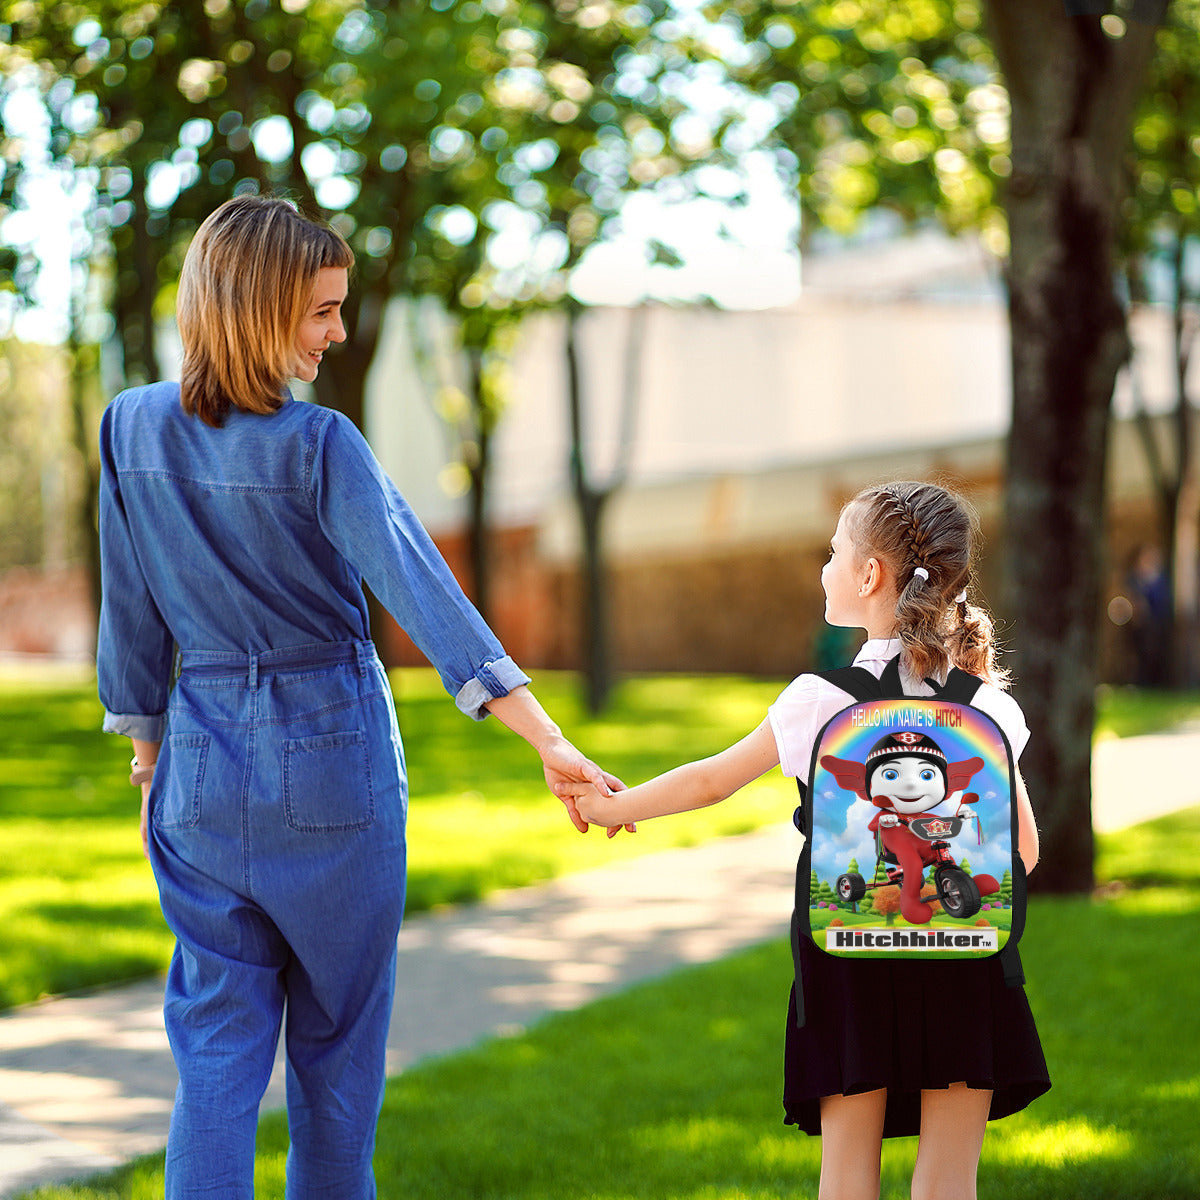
<point>924,574</point>
<point>961,598</point>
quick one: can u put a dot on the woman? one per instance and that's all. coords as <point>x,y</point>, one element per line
<point>237,526</point>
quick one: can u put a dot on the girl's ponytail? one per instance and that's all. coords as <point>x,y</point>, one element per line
<point>925,535</point>
<point>971,643</point>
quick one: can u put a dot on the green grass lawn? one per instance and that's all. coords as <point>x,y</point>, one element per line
<point>78,904</point>
<point>77,901</point>
<point>670,1091</point>
<point>1128,711</point>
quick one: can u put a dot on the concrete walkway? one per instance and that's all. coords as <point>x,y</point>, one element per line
<point>87,1081</point>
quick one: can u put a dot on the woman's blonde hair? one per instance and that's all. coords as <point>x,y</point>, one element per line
<point>925,535</point>
<point>248,275</point>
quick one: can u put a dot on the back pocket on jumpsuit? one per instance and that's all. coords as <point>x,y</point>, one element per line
<point>177,806</point>
<point>327,783</point>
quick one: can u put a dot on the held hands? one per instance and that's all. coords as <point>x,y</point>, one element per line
<point>570,775</point>
<point>594,805</point>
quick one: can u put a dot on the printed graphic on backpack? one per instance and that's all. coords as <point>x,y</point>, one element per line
<point>919,793</point>
<point>910,828</point>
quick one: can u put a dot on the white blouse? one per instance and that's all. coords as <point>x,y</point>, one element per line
<point>808,702</point>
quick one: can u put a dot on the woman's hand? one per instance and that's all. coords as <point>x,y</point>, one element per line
<point>145,755</point>
<point>562,763</point>
<point>145,821</point>
<point>568,773</point>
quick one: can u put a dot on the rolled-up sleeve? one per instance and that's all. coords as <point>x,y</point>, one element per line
<point>135,649</point>
<point>370,524</point>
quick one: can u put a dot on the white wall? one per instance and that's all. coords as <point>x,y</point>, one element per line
<point>721,392</point>
<point>726,395</point>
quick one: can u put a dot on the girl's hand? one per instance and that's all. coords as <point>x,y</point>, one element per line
<point>593,806</point>
<point>569,774</point>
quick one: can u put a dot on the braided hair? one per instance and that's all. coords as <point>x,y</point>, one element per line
<point>925,534</point>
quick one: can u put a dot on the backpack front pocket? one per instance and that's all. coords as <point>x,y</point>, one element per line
<point>327,783</point>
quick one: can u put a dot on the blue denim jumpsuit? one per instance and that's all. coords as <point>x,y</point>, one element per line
<point>278,805</point>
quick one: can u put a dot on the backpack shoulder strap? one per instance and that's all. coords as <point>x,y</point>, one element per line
<point>959,688</point>
<point>890,686</point>
<point>861,685</point>
<point>857,681</point>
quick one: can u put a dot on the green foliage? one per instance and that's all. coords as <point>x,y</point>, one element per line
<point>1164,205</point>
<point>682,1094</point>
<point>419,130</point>
<point>885,104</point>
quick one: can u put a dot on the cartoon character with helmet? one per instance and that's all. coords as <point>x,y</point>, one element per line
<point>906,776</point>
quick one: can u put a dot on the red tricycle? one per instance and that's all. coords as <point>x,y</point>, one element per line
<point>955,888</point>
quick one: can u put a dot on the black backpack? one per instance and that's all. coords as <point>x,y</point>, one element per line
<point>910,829</point>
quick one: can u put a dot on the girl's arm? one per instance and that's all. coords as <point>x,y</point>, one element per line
<point>693,785</point>
<point>1027,832</point>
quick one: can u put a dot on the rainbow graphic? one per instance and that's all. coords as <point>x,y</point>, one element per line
<point>840,818</point>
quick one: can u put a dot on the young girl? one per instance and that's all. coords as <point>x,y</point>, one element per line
<point>880,1054</point>
<point>236,528</point>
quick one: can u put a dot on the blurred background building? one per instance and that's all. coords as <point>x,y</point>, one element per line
<point>748,430</point>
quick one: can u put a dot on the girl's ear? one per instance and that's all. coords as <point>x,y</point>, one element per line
<point>871,579</point>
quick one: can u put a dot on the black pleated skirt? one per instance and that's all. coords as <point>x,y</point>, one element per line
<point>907,1026</point>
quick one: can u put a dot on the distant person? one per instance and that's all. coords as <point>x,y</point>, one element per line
<point>237,525</point>
<point>1150,621</point>
<point>889,1049</point>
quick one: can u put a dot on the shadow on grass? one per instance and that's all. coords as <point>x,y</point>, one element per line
<point>670,1091</point>
<point>1160,853</point>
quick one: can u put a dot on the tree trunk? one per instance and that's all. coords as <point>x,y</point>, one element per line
<point>82,360</point>
<point>1184,551</point>
<point>592,498</point>
<point>478,465</point>
<point>591,501</point>
<point>1072,92</point>
<point>137,256</point>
